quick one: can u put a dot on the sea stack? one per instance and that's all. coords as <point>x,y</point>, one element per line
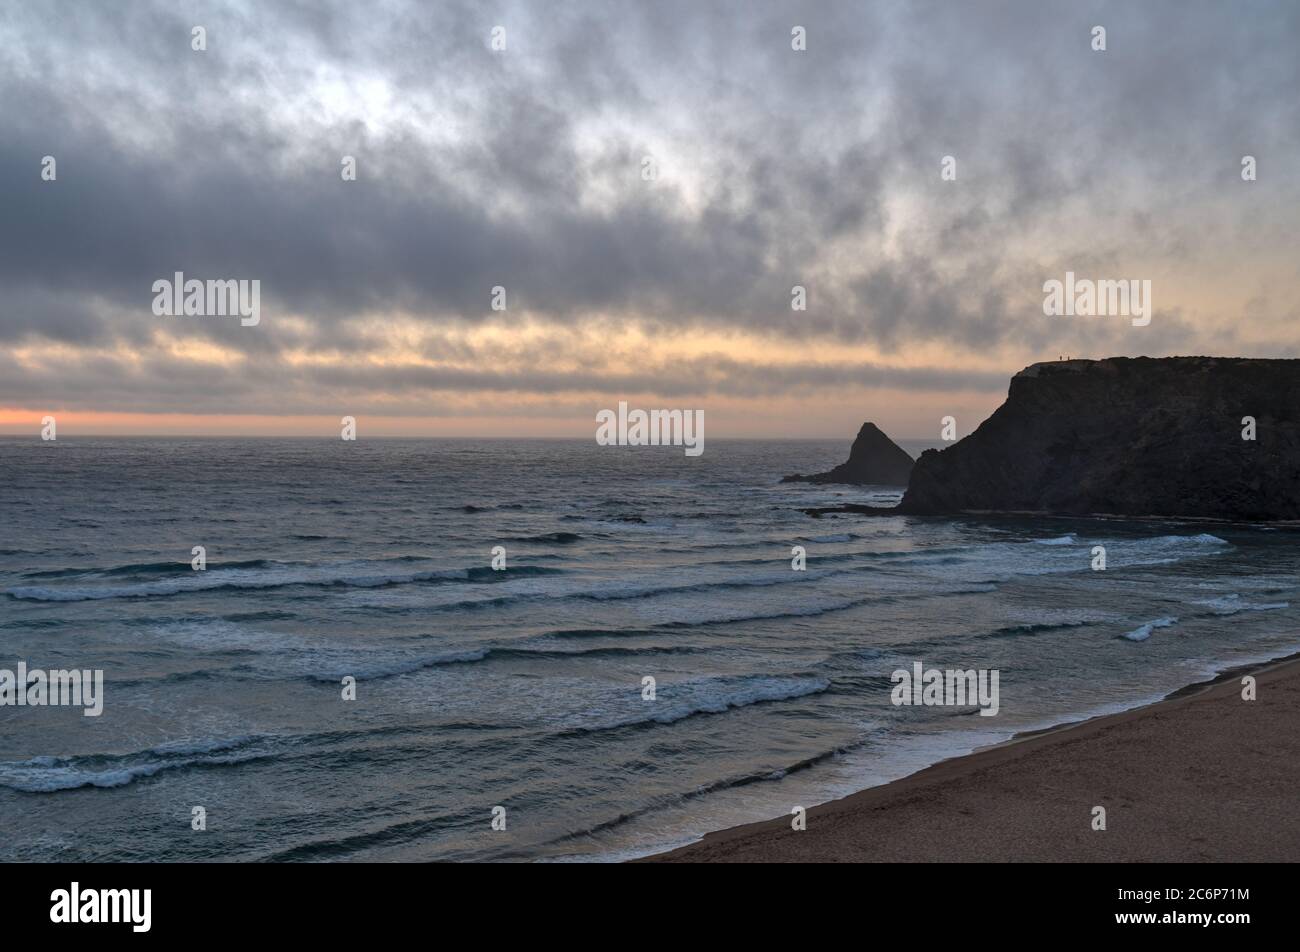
<point>874,460</point>
<point>1129,436</point>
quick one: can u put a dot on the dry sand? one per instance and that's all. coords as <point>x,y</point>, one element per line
<point>1200,776</point>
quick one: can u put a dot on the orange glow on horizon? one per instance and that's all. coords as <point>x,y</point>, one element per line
<point>901,414</point>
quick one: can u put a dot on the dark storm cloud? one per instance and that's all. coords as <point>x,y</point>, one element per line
<point>521,168</point>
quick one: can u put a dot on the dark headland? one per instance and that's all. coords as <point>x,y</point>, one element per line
<point>1166,437</point>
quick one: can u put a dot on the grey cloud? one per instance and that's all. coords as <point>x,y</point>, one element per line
<point>225,164</point>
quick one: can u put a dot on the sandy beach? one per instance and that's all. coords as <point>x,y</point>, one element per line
<point>1200,776</point>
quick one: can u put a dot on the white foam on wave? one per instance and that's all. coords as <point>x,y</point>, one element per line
<point>775,689</point>
<point>1143,632</point>
<point>291,655</point>
<point>53,774</point>
<point>1058,555</point>
<point>1059,540</point>
<point>1232,604</point>
<point>351,574</point>
<point>714,696</point>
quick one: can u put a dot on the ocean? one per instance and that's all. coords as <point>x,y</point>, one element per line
<point>525,688</point>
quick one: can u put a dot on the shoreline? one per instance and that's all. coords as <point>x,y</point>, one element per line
<point>1199,775</point>
<point>867,509</point>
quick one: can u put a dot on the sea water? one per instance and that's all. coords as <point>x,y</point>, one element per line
<point>371,562</point>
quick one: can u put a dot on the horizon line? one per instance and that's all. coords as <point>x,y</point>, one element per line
<point>335,438</point>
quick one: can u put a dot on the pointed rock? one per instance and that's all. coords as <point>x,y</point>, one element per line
<point>874,460</point>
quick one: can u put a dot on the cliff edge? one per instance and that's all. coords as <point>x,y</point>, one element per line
<point>1128,436</point>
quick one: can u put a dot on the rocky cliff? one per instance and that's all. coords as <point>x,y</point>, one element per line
<point>1139,437</point>
<point>874,460</point>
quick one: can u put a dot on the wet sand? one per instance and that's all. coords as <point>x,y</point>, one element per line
<point>1201,776</point>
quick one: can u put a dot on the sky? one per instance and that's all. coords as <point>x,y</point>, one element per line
<point>647,182</point>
